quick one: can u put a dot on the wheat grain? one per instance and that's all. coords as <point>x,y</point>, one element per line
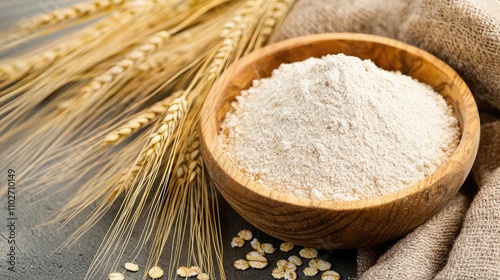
<point>124,66</point>
<point>195,160</point>
<point>231,35</point>
<point>175,112</point>
<point>276,15</point>
<point>144,118</point>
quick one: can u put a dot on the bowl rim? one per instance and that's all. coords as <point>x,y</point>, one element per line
<point>208,120</point>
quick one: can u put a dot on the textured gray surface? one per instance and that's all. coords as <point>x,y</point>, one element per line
<point>35,244</point>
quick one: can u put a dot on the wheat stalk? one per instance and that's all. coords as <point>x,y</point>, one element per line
<point>107,105</point>
<point>44,24</point>
<point>47,83</point>
<point>141,53</point>
<point>20,68</point>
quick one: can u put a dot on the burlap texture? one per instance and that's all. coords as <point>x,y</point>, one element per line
<point>423,252</point>
<point>464,33</point>
<point>367,257</point>
<point>476,252</point>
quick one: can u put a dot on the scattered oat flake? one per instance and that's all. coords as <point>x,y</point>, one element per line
<point>256,246</point>
<point>323,265</point>
<point>310,271</point>
<point>267,248</point>
<point>255,243</point>
<point>260,251</point>
<point>254,255</point>
<point>314,263</point>
<point>286,246</point>
<point>308,253</point>
<point>290,275</point>
<point>116,276</point>
<point>255,260</point>
<point>241,264</point>
<point>202,276</point>
<point>237,242</point>
<point>196,269</point>
<point>290,267</point>
<point>155,272</point>
<point>295,260</point>
<point>245,234</point>
<point>330,275</point>
<point>258,264</point>
<point>192,272</point>
<point>278,273</point>
<point>182,271</point>
<point>281,263</point>
<point>131,267</point>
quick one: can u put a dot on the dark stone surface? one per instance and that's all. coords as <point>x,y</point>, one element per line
<point>34,245</point>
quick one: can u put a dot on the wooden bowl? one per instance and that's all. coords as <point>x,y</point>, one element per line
<point>332,224</point>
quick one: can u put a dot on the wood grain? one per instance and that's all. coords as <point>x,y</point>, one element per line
<point>331,224</point>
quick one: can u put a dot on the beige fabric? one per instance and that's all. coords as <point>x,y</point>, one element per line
<point>422,253</point>
<point>367,257</point>
<point>476,253</point>
<point>464,33</point>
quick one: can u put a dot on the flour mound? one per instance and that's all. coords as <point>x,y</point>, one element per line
<point>338,128</point>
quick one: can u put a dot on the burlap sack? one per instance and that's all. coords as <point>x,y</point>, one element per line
<point>367,257</point>
<point>476,253</point>
<point>423,252</point>
<point>464,33</point>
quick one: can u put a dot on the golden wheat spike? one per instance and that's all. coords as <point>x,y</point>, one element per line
<point>77,11</point>
<point>176,111</point>
<point>144,118</point>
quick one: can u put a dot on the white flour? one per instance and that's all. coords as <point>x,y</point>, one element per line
<point>338,128</point>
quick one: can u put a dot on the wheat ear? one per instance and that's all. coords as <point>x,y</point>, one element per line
<point>143,51</point>
<point>231,35</point>
<point>19,68</point>
<point>124,66</point>
<point>168,125</point>
<point>144,118</point>
<point>276,16</point>
<point>77,11</point>
<point>193,157</point>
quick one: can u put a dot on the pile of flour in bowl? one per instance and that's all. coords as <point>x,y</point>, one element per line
<point>338,128</point>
